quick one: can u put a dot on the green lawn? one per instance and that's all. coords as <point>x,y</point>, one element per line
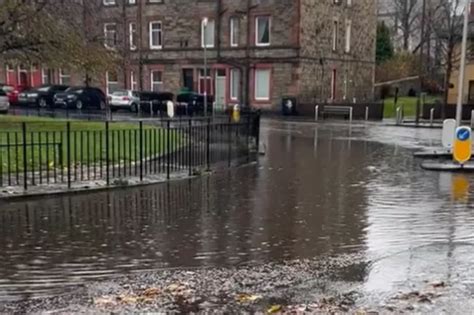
<point>48,144</point>
<point>407,103</point>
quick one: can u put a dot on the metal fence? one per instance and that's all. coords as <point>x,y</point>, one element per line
<point>68,152</point>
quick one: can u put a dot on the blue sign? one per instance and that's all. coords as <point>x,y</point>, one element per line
<point>463,134</point>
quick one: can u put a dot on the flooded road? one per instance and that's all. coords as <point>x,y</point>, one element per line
<point>324,189</point>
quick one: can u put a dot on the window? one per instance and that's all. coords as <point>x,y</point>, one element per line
<point>46,76</point>
<point>132,29</point>
<point>207,33</point>
<point>133,81</point>
<point>9,67</point>
<point>333,84</point>
<point>234,31</point>
<point>132,1</point>
<point>334,35</point>
<point>349,3</point>
<point>156,80</point>
<point>155,1</point>
<point>109,2</point>
<point>156,39</point>
<point>205,82</point>
<point>348,36</point>
<point>64,77</point>
<point>262,34</point>
<point>234,84</point>
<point>110,35</point>
<point>111,82</point>
<point>262,84</point>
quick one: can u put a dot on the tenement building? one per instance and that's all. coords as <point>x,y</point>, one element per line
<point>243,51</point>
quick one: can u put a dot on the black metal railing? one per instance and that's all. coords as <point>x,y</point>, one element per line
<point>108,152</point>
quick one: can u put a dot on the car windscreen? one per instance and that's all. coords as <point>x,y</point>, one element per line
<point>74,90</point>
<point>120,93</point>
<point>43,88</point>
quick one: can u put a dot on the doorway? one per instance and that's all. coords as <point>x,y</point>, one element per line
<point>220,89</point>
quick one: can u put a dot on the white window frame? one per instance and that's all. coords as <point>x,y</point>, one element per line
<point>234,95</point>
<point>105,35</point>
<point>132,30</point>
<point>43,75</point>
<point>335,34</point>
<point>234,42</point>
<point>209,21</point>
<point>349,3</point>
<point>62,76</point>
<point>347,47</point>
<point>132,1</point>
<point>109,2</point>
<point>152,83</point>
<point>150,34</point>
<point>257,43</point>
<point>107,82</point>
<point>269,85</point>
<point>133,81</point>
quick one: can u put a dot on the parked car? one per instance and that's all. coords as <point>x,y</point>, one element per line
<point>155,101</point>
<point>4,102</point>
<point>42,96</point>
<point>13,91</point>
<point>81,97</point>
<point>190,103</point>
<point>124,99</point>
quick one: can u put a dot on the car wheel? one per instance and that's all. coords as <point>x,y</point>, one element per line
<point>79,105</point>
<point>102,105</point>
<point>42,103</point>
<point>134,108</point>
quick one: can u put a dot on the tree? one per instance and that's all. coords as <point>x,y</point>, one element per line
<point>447,25</point>
<point>384,43</point>
<point>55,34</point>
<point>407,13</point>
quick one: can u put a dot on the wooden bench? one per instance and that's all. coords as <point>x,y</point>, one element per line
<point>336,110</point>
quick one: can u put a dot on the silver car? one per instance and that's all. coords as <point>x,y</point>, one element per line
<point>4,102</point>
<point>124,99</point>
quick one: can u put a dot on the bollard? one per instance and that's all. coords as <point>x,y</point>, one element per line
<point>366,113</point>
<point>472,119</point>
<point>432,116</point>
<point>397,116</point>
<point>350,115</point>
<point>316,113</point>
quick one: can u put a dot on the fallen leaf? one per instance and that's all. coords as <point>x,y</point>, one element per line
<point>246,298</point>
<point>104,301</point>
<point>438,284</point>
<point>274,309</point>
<point>151,292</point>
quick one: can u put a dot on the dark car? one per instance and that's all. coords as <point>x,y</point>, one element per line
<point>42,96</point>
<point>154,102</point>
<point>190,103</point>
<point>81,97</point>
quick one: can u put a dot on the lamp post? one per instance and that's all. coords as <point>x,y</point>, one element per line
<point>205,21</point>
<point>462,69</point>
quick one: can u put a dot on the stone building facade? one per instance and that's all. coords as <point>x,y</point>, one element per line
<point>257,51</point>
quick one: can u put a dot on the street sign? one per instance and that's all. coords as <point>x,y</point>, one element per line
<point>462,145</point>
<point>449,128</point>
<point>170,109</point>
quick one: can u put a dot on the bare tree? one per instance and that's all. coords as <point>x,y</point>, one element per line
<point>406,15</point>
<point>447,24</point>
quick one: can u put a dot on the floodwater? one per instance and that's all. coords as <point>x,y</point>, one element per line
<point>320,190</point>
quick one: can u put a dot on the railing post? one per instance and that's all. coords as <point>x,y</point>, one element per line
<point>190,148</point>
<point>432,117</point>
<point>141,149</point>
<point>366,113</point>
<point>350,114</point>
<point>258,131</point>
<point>208,144</point>
<point>25,161</point>
<point>472,119</point>
<point>316,113</point>
<point>107,154</point>
<point>68,153</point>
<point>168,149</point>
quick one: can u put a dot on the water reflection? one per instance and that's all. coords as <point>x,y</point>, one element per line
<point>323,189</point>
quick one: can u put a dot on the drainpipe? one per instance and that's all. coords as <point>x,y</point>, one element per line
<point>139,45</point>
<point>247,55</point>
<point>124,46</point>
<point>218,28</point>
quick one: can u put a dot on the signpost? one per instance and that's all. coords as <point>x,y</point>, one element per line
<point>462,145</point>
